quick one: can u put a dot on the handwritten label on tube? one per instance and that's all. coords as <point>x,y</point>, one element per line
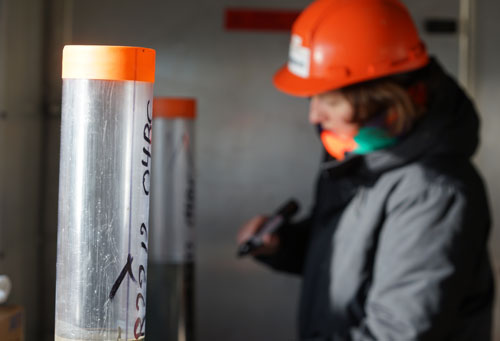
<point>128,269</point>
<point>140,302</point>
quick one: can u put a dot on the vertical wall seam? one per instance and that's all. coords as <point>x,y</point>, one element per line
<point>466,43</point>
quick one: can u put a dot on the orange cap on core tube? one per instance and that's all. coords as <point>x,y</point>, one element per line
<point>120,63</point>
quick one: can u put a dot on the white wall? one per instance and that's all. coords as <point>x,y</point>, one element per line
<point>20,153</point>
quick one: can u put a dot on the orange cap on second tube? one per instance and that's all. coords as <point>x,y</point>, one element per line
<point>174,107</point>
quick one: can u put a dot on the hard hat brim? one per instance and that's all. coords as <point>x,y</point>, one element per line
<point>294,85</point>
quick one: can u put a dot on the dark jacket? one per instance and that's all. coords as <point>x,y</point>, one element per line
<point>396,245</point>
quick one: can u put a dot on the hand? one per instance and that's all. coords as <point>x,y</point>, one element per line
<point>270,242</point>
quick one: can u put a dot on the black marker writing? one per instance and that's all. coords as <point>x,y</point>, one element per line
<point>139,326</point>
<point>127,269</point>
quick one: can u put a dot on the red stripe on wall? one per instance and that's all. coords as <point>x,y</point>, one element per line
<point>237,19</point>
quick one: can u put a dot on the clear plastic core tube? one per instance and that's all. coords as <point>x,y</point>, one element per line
<point>104,186</point>
<point>171,263</point>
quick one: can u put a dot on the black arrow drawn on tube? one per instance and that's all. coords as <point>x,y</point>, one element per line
<point>126,269</point>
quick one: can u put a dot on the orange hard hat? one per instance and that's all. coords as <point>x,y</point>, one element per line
<point>336,43</point>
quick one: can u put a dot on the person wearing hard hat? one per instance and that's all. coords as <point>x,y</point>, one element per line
<point>395,247</point>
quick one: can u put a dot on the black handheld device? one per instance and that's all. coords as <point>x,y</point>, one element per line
<point>278,219</point>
